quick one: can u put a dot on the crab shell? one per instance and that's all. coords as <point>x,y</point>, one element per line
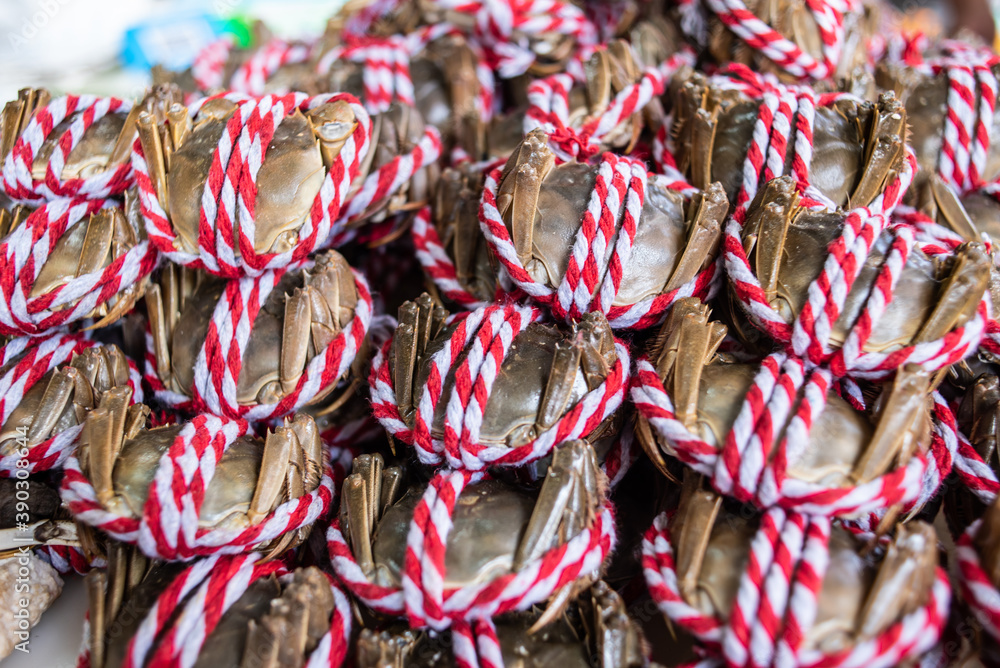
<point>929,299</point>
<point>548,370</point>
<point>496,527</point>
<point>859,597</point>
<point>542,205</point>
<point>299,319</point>
<point>857,146</point>
<point>925,97</point>
<point>795,21</point>
<point>273,623</point>
<point>293,168</point>
<point>596,626</point>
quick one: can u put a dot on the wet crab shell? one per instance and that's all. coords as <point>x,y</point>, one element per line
<point>511,430</point>
<point>796,41</point>
<point>892,299</point>
<point>563,254</point>
<point>208,512</point>
<point>476,552</point>
<point>794,441</point>
<point>278,212</point>
<point>69,260</point>
<point>818,577</point>
<point>26,367</point>
<point>71,146</point>
<point>273,614</point>
<point>200,335</point>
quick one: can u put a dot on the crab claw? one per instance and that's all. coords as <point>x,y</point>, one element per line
<point>567,502</point>
<point>884,149</point>
<point>295,339</point>
<point>102,439</point>
<point>691,530</point>
<point>520,183</point>
<point>383,649</point>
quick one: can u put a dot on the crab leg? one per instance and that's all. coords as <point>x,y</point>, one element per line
<point>275,473</point>
<point>96,581</point>
<point>158,327</point>
<point>704,124</point>
<point>152,146</point>
<point>961,292</point>
<point>295,339</point>
<point>950,208</point>
<point>565,501</point>
<point>904,578</point>
<point>703,238</point>
<point>766,229</point>
<point>58,394</point>
<point>404,348</point>
<point>901,418</point>
<point>694,521</point>
<point>559,388</point>
<point>884,150</point>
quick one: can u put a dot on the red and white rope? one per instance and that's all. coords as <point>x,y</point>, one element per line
<point>67,559</point>
<point>227,219</point>
<point>19,184</point>
<point>437,264</point>
<point>467,610</point>
<point>828,16</point>
<point>809,335</point>
<point>475,352</point>
<point>29,359</point>
<point>384,182</point>
<point>185,614</point>
<point>169,527</point>
<point>220,357</point>
<point>971,103</point>
<point>549,109</point>
<point>974,584</point>
<point>600,253</point>
<point>777,601</point>
<point>770,434</point>
<point>209,65</point>
<point>252,76</point>
<point>24,252</point>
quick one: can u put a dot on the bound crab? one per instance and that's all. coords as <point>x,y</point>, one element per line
<point>71,146</point>
<point>260,216</point>
<point>842,151</point>
<point>893,303</point>
<point>799,41</point>
<point>596,626</point>
<point>620,97</point>
<point>605,238</point>
<point>248,493</point>
<point>305,328</point>
<point>498,547</point>
<point>49,386</point>
<point>535,385</point>
<point>776,434</point>
<point>792,588</point>
<point>253,611</point>
<point>950,94</point>
<point>70,260</point>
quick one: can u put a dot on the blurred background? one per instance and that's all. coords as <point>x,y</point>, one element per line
<point>107,46</point>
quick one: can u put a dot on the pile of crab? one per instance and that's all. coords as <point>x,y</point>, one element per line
<point>506,333</point>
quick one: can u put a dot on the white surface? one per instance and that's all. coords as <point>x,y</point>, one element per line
<point>55,641</point>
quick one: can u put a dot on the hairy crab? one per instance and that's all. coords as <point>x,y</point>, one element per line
<point>277,617</point>
<point>496,530</point>
<point>934,295</point>
<point>179,153</point>
<point>857,147</point>
<point>114,482</point>
<point>690,399</point>
<point>597,627</point>
<point>858,597</point>
<point>664,246</point>
<point>305,313</point>
<point>541,385</point>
